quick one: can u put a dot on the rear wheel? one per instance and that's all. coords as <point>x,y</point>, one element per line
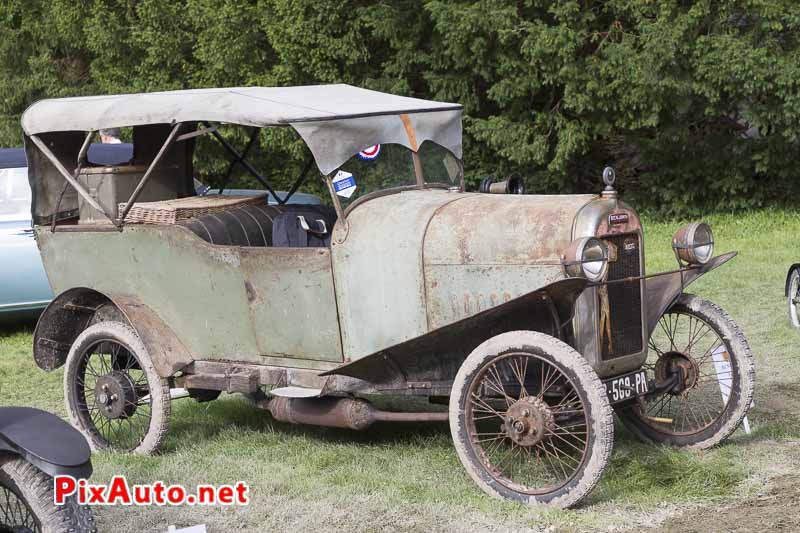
<point>530,420</point>
<point>702,346</point>
<point>27,504</point>
<point>114,395</point>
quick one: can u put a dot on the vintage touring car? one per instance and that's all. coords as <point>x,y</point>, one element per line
<point>529,315</point>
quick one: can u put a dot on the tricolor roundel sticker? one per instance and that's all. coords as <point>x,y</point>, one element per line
<point>369,153</point>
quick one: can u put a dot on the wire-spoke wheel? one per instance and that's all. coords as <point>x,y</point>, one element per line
<point>530,419</point>
<point>15,513</point>
<point>698,348</point>
<point>113,394</point>
<point>27,505</point>
<point>793,296</point>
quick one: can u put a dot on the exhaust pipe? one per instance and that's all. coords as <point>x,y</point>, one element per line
<point>346,413</point>
<point>513,185</point>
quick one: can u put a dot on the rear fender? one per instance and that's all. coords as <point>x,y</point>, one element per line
<point>662,291</point>
<point>431,361</point>
<point>45,441</point>
<point>788,276</point>
<point>74,310</point>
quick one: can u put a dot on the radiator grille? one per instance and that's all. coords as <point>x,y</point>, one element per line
<point>624,299</point>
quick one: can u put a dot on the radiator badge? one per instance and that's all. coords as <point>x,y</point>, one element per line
<point>615,219</point>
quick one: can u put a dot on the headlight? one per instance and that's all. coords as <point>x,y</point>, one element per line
<point>586,258</point>
<point>694,243</point>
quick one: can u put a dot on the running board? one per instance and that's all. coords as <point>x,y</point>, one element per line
<point>296,392</point>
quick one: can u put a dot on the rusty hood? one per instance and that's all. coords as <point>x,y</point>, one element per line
<point>488,229</point>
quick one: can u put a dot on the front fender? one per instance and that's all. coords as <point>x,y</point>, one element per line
<point>45,441</point>
<point>661,291</point>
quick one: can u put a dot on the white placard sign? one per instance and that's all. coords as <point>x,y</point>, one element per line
<point>722,364</point>
<point>344,184</point>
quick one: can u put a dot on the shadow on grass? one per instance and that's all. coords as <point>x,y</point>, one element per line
<point>196,422</point>
<point>647,472</point>
<point>637,474</point>
<point>14,325</point>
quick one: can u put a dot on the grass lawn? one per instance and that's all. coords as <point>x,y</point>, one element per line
<point>407,477</point>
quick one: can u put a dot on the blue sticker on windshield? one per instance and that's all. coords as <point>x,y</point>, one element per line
<point>370,153</point>
<point>344,184</point>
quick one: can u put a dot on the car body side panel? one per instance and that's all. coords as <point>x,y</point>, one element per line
<point>194,287</point>
<point>456,292</point>
<point>292,303</point>
<point>378,270</point>
<point>222,302</point>
<point>485,250</point>
<point>418,260</point>
<point>23,283</point>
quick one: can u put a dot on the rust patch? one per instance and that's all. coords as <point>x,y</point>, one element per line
<point>476,302</point>
<point>412,138</point>
<point>501,230</point>
<point>251,292</point>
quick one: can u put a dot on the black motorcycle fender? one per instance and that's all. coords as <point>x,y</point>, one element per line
<point>45,441</point>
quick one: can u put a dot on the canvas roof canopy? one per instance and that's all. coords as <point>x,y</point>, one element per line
<point>335,121</point>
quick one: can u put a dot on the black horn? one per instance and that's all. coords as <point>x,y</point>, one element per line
<point>513,185</point>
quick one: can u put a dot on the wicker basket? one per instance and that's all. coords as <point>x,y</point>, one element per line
<point>172,211</point>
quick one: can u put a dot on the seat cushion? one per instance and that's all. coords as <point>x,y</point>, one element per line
<point>251,225</point>
<point>288,230</point>
<point>240,226</point>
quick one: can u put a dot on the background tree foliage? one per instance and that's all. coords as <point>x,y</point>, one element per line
<point>696,103</point>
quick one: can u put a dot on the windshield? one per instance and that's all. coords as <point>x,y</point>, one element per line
<point>15,194</point>
<point>387,166</point>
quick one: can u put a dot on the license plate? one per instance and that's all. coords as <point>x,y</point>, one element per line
<point>626,387</point>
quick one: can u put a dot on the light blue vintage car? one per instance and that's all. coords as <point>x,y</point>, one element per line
<point>24,290</point>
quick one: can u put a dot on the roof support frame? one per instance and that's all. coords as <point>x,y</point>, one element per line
<point>67,176</point>
<point>197,133</point>
<point>237,160</point>
<point>412,140</point>
<point>78,165</point>
<point>242,161</point>
<point>137,191</point>
<point>299,181</point>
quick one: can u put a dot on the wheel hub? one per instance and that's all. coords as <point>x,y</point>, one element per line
<point>527,420</point>
<point>681,363</point>
<point>115,395</point>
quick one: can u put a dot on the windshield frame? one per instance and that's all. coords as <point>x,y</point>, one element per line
<point>421,184</point>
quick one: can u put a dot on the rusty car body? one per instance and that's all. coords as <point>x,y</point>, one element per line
<point>413,288</point>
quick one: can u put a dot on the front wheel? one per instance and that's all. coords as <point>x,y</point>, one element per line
<point>530,420</point>
<point>700,349</point>
<point>27,504</point>
<point>114,396</point>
